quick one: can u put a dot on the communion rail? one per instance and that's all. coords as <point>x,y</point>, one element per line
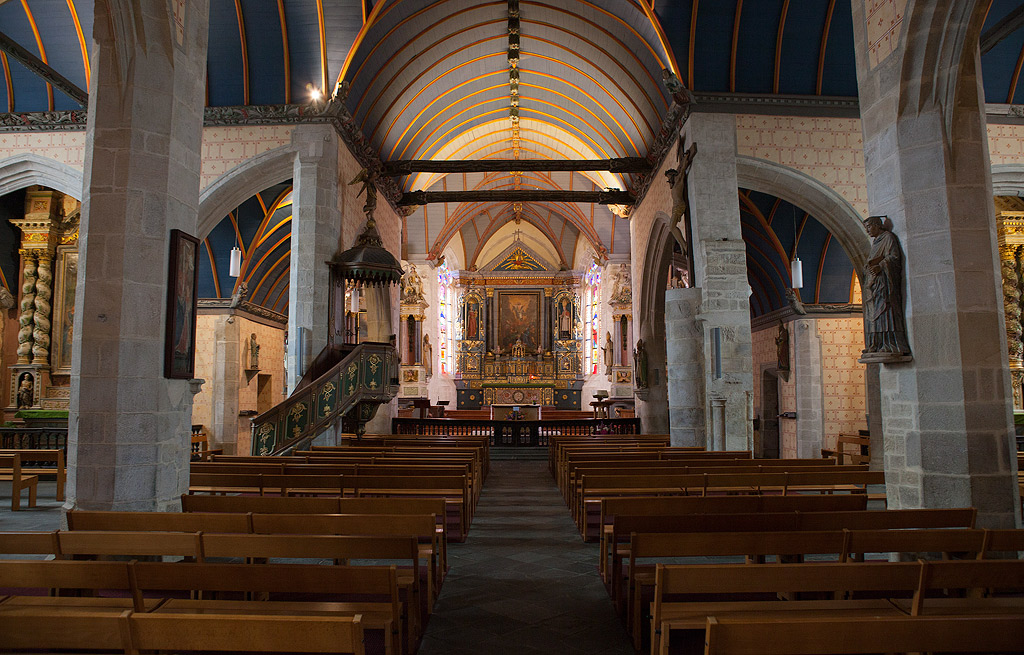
<point>514,433</point>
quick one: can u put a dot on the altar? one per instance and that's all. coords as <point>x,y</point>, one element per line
<point>515,412</point>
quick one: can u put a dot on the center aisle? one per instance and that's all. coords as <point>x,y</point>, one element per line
<point>523,582</point>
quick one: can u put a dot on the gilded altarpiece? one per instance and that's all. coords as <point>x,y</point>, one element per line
<point>518,340</point>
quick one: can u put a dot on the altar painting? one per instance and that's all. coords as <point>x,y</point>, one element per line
<point>519,318</point>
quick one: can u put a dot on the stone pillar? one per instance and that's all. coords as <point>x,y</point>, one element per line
<point>720,265</point>
<point>227,369</point>
<point>947,413</point>
<point>685,373</point>
<point>316,231</point>
<point>810,399</point>
<point>129,427</point>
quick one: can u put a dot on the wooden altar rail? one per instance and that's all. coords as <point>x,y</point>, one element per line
<point>34,438</point>
<point>514,433</point>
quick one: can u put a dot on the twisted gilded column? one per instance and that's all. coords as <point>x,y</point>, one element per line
<point>1010,230</point>
<point>41,317</point>
<point>28,309</point>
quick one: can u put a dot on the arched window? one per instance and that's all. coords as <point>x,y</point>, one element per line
<point>445,316</point>
<point>592,324</point>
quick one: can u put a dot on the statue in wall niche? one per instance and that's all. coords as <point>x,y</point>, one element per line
<point>622,292</point>
<point>782,347</point>
<point>26,393</point>
<point>640,364</point>
<point>427,355</point>
<point>885,323</point>
<point>608,350</point>
<point>412,285</point>
<point>254,353</point>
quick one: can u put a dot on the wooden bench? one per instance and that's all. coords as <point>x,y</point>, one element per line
<point>852,447</point>
<point>593,488</point>
<point>678,505</point>
<point>843,545</point>
<point>39,461</point>
<point>624,525</point>
<point>11,471</point>
<point>131,632</point>
<point>856,635</point>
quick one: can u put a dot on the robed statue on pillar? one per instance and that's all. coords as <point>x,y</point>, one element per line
<point>885,323</point>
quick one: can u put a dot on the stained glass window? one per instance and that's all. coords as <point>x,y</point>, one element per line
<point>445,313</point>
<point>592,326</point>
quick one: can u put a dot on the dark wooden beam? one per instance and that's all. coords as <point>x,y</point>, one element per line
<point>621,165</point>
<point>43,70</point>
<point>1006,26</point>
<point>538,195</point>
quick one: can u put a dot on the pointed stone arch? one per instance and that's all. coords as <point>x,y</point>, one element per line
<point>828,207</point>
<point>242,182</point>
<point>26,169</point>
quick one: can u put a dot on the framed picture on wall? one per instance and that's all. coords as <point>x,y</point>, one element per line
<point>182,289</point>
<point>64,310</point>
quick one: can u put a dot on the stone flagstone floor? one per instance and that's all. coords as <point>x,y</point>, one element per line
<point>524,582</point>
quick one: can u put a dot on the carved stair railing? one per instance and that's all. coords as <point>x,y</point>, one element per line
<point>366,376</point>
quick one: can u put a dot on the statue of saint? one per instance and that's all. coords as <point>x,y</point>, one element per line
<point>608,350</point>
<point>427,355</point>
<point>412,285</point>
<point>565,320</point>
<point>782,347</point>
<point>640,365</point>
<point>254,353</point>
<point>885,323</point>
<point>26,395</point>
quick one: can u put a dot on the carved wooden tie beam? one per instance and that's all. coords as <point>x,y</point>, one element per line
<point>619,165</point>
<point>599,197</point>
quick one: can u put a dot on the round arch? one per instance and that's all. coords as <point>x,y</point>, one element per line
<point>240,183</point>
<point>27,169</point>
<point>823,203</point>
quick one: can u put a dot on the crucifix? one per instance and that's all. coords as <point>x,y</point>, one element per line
<point>680,196</point>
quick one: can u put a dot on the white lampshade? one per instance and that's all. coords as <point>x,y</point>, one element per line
<point>236,262</point>
<point>355,300</point>
<point>796,269</point>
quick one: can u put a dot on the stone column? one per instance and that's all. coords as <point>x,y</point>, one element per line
<point>227,369</point>
<point>129,427</point>
<point>26,321</point>
<point>686,376</point>
<point>316,231</point>
<point>720,265</point>
<point>947,413</point>
<point>810,399</point>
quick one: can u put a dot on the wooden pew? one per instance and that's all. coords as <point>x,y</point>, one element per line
<point>745,591</point>
<point>155,586</point>
<point>675,505</point>
<point>11,471</point>
<point>840,544</point>
<point>854,448</point>
<point>39,461</point>
<point>852,636</point>
<point>131,632</point>
<point>593,488</point>
<point>868,520</point>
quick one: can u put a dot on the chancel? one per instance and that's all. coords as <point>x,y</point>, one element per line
<point>489,317</point>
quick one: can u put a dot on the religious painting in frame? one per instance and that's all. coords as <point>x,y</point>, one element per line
<point>64,310</point>
<point>182,289</point>
<point>519,319</point>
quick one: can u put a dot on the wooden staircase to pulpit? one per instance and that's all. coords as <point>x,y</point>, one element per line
<point>344,383</point>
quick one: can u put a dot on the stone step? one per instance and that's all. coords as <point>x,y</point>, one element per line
<point>534,453</point>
